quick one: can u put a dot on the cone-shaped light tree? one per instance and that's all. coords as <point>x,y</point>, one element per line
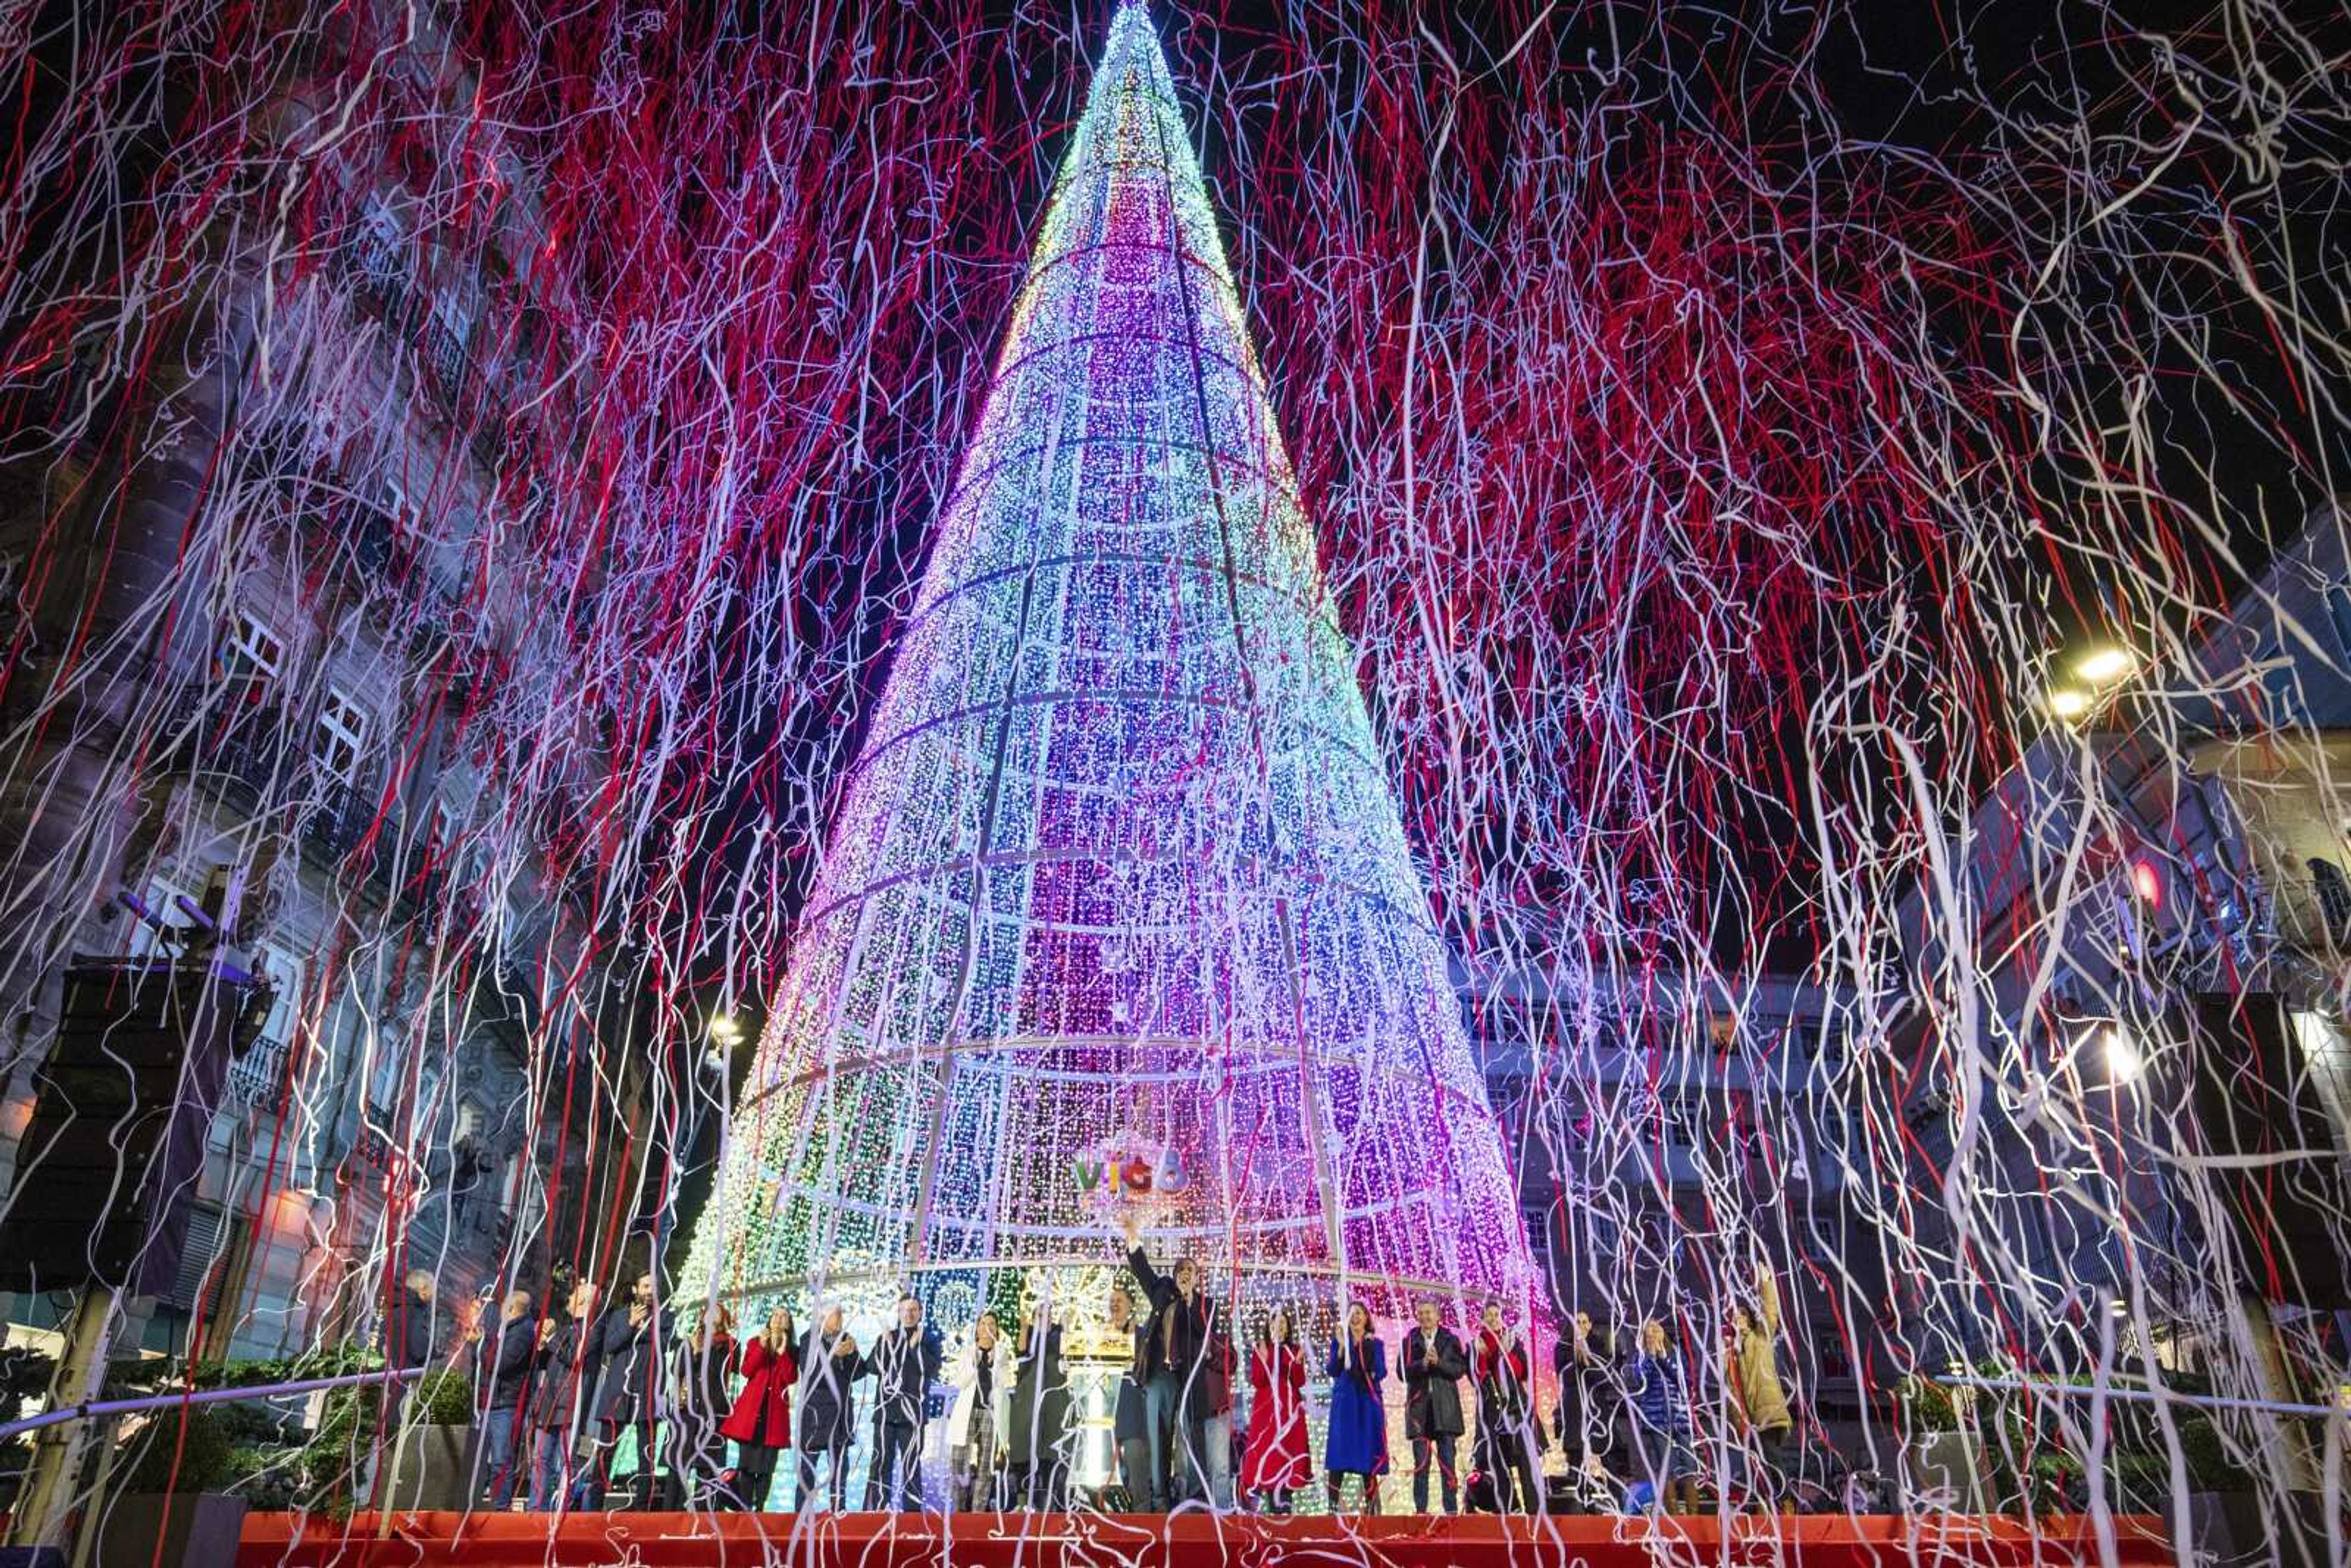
<point>1119,894</point>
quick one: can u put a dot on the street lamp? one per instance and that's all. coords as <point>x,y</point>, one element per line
<point>2102,666</point>
<point>2090,670</point>
<point>725,1034</point>
<point>2124,1060</point>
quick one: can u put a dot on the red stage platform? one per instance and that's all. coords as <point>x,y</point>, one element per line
<point>1192,1541</point>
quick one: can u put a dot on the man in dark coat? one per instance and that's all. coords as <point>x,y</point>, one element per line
<point>1217,1431</point>
<point>509,1352</point>
<point>1179,1391</point>
<point>628,1386</point>
<point>830,1365</point>
<point>409,1327</point>
<point>1434,1365</point>
<point>409,1342</point>
<point>905,1363</point>
<point>564,1380</point>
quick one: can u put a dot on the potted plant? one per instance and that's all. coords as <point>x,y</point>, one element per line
<point>174,1489</point>
<point>434,1470</point>
<point>1942,1458</point>
<point>2225,1511</point>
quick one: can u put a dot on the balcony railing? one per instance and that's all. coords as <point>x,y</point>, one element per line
<point>334,829</point>
<point>247,742</point>
<point>2312,915</point>
<point>256,1078</point>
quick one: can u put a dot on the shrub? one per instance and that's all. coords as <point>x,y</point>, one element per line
<point>201,1453</point>
<point>443,1399</point>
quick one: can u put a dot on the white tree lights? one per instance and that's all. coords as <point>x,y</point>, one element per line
<point>1118,888</point>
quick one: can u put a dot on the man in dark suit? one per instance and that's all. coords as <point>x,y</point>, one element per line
<point>565,1378</point>
<point>628,1386</point>
<point>410,1339</point>
<point>1435,1363</point>
<point>509,1351</point>
<point>905,1363</point>
<point>1179,1379</point>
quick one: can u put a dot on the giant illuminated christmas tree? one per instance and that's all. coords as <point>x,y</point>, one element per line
<point>1119,894</point>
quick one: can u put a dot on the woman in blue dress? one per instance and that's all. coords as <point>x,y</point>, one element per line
<point>1357,1443</point>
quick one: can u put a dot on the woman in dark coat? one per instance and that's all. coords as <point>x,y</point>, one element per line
<point>1357,1441</point>
<point>829,1367</point>
<point>1129,1418</point>
<point>761,1421</point>
<point>702,1368</point>
<point>1588,1399</point>
<point>1041,1414</point>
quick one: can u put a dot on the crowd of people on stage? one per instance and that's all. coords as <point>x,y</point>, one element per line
<point>713,1415</point>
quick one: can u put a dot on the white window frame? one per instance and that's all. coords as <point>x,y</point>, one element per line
<point>382,248</point>
<point>453,337</point>
<point>285,973</point>
<point>342,728</point>
<point>253,651</point>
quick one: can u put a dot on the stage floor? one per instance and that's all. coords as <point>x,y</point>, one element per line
<point>1190,1541</point>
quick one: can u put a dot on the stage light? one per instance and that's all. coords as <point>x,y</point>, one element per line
<point>2146,882</point>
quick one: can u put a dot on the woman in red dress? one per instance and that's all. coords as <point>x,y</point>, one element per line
<point>761,1421</point>
<point>1276,1462</point>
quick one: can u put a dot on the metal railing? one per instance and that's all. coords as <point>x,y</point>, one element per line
<point>2144,1395</point>
<point>96,1408</point>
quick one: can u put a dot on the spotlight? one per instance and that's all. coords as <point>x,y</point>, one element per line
<point>2066,702</point>
<point>2147,882</point>
<point>724,1030</point>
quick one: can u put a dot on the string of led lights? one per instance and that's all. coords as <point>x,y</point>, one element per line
<point>1119,861</point>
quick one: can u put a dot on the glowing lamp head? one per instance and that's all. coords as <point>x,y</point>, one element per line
<point>2066,702</point>
<point>2146,882</point>
<point>2100,666</point>
<point>2124,1062</point>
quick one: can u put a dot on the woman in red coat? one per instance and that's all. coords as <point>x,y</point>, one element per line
<point>761,1421</point>
<point>1276,1462</point>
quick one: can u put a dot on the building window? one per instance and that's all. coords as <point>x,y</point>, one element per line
<point>2333,891</point>
<point>382,252</point>
<point>451,332</point>
<point>285,977</point>
<point>342,737</point>
<point>253,653</point>
<point>2338,611</point>
<point>256,1077</point>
